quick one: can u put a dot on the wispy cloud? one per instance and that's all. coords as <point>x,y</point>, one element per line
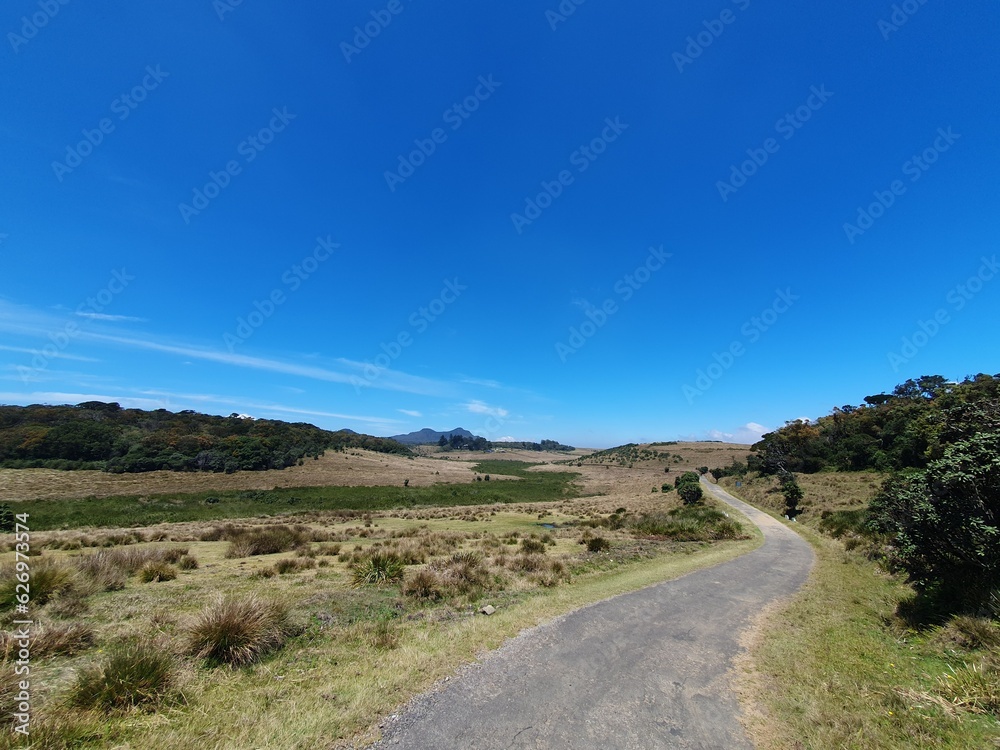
<point>480,407</point>
<point>247,404</point>
<point>410,412</point>
<point>47,354</point>
<point>110,318</point>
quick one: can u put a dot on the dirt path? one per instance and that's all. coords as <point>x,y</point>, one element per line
<point>643,670</point>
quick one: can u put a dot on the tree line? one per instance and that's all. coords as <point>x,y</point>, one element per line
<point>105,436</point>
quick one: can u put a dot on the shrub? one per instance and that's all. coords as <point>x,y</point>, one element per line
<point>378,569</point>
<point>187,562</point>
<point>153,572</point>
<point>690,493</point>
<point>597,544</point>
<point>238,630</point>
<point>531,546</point>
<point>131,675</point>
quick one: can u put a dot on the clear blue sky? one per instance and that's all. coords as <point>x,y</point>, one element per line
<point>458,187</point>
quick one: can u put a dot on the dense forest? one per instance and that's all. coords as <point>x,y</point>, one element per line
<point>905,429</point>
<point>97,435</point>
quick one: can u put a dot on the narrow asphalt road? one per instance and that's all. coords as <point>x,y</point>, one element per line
<point>639,671</point>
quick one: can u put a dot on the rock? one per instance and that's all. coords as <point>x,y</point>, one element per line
<point>489,609</point>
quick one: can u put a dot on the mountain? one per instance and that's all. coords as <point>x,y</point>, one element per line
<point>427,435</point>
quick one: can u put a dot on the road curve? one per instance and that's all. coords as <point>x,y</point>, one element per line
<point>640,671</point>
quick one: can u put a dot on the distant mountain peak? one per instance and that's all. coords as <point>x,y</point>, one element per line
<point>428,435</point>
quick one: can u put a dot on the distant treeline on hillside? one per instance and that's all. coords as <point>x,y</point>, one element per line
<point>97,435</point>
<point>905,429</point>
<point>478,443</point>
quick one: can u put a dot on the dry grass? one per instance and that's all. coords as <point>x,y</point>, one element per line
<point>238,630</point>
<point>353,469</point>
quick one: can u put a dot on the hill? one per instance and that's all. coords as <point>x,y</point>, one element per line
<point>428,436</point>
<point>98,435</point>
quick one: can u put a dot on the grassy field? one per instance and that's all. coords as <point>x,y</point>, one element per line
<point>334,617</point>
<point>837,667</point>
<point>146,510</point>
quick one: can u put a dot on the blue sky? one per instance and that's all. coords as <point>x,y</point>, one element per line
<point>627,222</point>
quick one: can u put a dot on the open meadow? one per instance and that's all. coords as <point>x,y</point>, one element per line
<point>244,610</point>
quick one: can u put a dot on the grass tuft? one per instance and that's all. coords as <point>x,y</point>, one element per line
<point>377,569</point>
<point>131,675</point>
<point>238,630</point>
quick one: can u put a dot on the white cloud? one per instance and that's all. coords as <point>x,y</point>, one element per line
<point>410,412</point>
<point>751,432</point>
<point>480,407</point>
<point>49,354</point>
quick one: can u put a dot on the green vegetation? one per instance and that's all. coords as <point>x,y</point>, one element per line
<point>688,487</point>
<point>903,430</point>
<point>125,511</point>
<point>134,674</point>
<point>944,524</point>
<point>97,435</point>
<point>628,454</point>
<point>857,675</point>
<point>239,630</point>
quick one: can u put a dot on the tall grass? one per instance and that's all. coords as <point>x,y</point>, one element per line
<point>133,674</point>
<point>239,630</point>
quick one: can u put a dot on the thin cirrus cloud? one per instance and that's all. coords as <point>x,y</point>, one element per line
<point>410,412</point>
<point>111,318</point>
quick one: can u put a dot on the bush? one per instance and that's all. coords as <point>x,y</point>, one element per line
<point>153,572</point>
<point>131,675</point>
<point>187,562</point>
<point>944,523</point>
<point>597,544</point>
<point>377,569</point>
<point>690,493</point>
<point>238,630</point>
<point>531,546</point>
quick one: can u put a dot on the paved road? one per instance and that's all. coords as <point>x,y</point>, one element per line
<point>640,671</point>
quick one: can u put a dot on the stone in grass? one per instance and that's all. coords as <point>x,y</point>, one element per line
<point>489,609</point>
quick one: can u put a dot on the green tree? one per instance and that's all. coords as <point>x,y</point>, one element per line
<point>690,493</point>
<point>944,523</point>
